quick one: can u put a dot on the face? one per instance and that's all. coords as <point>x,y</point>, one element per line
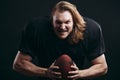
<point>62,24</point>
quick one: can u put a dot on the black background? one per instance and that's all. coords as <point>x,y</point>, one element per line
<point>15,13</point>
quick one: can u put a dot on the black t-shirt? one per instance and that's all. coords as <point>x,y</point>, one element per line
<point>39,41</point>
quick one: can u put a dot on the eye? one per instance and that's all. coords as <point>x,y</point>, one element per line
<point>58,22</point>
<point>67,22</point>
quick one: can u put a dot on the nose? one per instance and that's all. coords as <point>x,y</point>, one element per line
<point>62,26</point>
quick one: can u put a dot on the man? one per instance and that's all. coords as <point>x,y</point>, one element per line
<point>67,32</point>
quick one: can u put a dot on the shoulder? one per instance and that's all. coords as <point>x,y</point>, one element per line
<point>41,19</point>
<point>91,24</point>
<point>38,22</point>
<point>93,29</point>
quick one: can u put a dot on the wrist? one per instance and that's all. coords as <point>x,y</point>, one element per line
<point>42,72</point>
<point>80,74</point>
<point>46,73</point>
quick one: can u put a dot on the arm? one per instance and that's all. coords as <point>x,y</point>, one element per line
<point>23,64</point>
<point>98,68</point>
<point>94,47</point>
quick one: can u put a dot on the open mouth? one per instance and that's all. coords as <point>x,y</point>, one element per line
<point>61,30</point>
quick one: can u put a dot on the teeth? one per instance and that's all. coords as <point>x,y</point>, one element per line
<point>62,30</point>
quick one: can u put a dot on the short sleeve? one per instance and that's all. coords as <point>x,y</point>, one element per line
<point>27,40</point>
<point>95,40</point>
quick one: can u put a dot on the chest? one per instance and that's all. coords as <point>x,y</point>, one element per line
<point>57,48</point>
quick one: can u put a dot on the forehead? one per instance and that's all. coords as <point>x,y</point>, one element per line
<point>62,16</point>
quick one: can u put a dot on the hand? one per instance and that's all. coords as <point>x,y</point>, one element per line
<point>75,73</point>
<point>53,72</point>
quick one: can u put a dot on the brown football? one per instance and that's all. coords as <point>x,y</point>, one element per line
<point>64,62</point>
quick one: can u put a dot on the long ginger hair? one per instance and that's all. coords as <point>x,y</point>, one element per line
<point>79,24</point>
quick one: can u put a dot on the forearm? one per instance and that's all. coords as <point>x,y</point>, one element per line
<point>93,71</point>
<point>29,69</point>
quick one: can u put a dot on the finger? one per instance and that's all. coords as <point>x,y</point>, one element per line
<point>57,73</point>
<point>73,72</point>
<point>74,65</point>
<point>53,63</point>
<point>73,77</point>
<point>74,68</point>
<point>54,67</point>
<point>54,75</point>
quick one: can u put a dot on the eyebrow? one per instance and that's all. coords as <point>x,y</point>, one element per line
<point>59,21</point>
